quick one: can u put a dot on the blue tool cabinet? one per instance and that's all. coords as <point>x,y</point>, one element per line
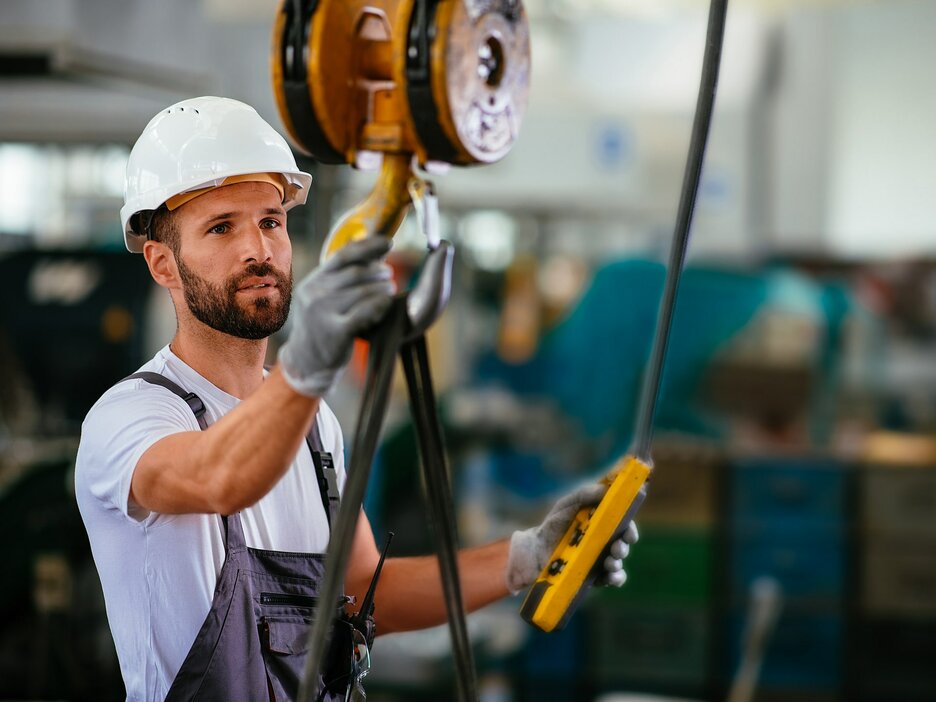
<point>852,546</point>
<point>788,520</point>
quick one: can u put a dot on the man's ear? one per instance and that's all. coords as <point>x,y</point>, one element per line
<point>161,263</point>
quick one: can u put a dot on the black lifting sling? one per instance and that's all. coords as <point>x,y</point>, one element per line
<point>395,336</point>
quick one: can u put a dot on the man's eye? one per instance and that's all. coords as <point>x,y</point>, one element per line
<point>219,229</point>
<point>270,224</point>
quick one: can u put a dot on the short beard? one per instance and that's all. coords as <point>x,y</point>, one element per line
<point>217,306</point>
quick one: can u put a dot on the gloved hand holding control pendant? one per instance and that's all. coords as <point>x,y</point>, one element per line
<point>530,549</point>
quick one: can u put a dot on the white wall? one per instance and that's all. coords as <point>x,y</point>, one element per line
<point>174,40</point>
<point>608,126</point>
<point>799,119</point>
<point>845,165</point>
<point>854,126</point>
<point>882,181</point>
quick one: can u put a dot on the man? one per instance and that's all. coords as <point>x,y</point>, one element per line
<point>208,530</point>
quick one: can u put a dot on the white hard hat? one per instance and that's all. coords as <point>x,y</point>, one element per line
<point>197,143</point>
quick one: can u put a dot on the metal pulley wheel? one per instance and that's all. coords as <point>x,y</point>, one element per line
<point>446,80</point>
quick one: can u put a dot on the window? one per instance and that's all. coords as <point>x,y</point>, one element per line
<point>61,196</point>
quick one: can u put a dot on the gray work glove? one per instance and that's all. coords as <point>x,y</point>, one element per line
<point>340,299</point>
<point>530,549</point>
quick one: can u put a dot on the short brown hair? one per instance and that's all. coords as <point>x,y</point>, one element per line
<point>164,229</point>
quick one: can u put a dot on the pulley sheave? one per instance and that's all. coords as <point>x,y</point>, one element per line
<point>446,80</point>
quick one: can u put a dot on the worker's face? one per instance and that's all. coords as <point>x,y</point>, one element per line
<point>235,259</point>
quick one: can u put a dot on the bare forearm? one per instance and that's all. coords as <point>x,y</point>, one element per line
<point>234,462</point>
<point>410,593</point>
<point>256,445</point>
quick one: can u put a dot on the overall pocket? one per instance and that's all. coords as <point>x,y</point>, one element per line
<point>284,642</point>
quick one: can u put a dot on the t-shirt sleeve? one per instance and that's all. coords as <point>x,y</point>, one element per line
<point>118,430</point>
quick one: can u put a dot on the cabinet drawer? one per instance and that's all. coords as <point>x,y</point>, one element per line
<point>638,645</point>
<point>808,564</point>
<point>804,652</point>
<point>683,488</point>
<point>899,576</point>
<point>893,660</point>
<point>557,654</point>
<point>899,499</point>
<point>669,566</point>
<point>788,489</point>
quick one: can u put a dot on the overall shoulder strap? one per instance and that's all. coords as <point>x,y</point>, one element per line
<point>231,526</point>
<point>191,399</point>
<point>325,473</point>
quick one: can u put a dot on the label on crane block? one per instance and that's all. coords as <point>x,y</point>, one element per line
<point>576,562</point>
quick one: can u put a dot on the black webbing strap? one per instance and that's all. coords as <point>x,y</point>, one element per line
<point>387,342</point>
<point>381,361</point>
<point>437,485</point>
<point>325,472</point>
<point>191,399</point>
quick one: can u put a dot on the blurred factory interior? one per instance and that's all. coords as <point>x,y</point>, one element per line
<point>796,434</point>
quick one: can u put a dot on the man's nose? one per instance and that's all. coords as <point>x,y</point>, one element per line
<point>257,247</point>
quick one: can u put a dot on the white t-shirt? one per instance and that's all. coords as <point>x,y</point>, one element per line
<point>159,571</point>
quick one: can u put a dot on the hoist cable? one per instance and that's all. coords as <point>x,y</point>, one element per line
<point>650,390</point>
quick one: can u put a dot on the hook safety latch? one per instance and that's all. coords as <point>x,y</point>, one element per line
<point>422,194</point>
<point>428,298</point>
